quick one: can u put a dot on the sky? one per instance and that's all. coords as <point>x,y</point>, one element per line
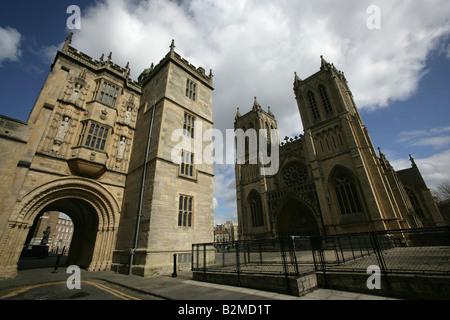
<point>395,55</point>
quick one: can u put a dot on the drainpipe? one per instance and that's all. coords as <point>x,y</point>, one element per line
<point>141,195</point>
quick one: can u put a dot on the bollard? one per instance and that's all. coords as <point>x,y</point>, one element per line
<point>174,274</point>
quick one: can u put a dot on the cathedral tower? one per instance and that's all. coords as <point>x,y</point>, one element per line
<point>354,193</point>
<point>251,185</point>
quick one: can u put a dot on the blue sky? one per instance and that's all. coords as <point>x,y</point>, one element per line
<point>398,74</point>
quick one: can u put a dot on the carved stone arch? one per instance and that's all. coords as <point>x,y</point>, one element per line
<point>295,216</point>
<point>100,209</point>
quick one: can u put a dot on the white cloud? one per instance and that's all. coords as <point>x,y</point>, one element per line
<point>437,138</point>
<point>9,44</point>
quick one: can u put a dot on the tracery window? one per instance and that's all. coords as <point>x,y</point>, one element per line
<point>347,194</point>
<point>313,105</point>
<point>191,89</point>
<point>93,135</point>
<point>415,203</point>
<point>325,100</point>
<point>187,163</point>
<point>185,210</point>
<point>188,126</point>
<point>294,174</point>
<point>256,209</point>
<point>106,93</point>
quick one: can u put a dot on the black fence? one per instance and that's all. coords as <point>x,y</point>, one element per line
<point>423,251</point>
<point>281,256</point>
<point>416,251</point>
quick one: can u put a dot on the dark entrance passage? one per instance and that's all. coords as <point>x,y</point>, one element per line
<point>296,219</point>
<point>73,231</point>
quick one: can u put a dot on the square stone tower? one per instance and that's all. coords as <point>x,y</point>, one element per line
<point>168,201</point>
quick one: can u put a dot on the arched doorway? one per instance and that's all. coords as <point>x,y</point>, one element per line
<point>295,218</point>
<point>91,207</point>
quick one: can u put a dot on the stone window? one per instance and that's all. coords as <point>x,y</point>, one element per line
<point>313,105</point>
<point>294,174</point>
<point>106,93</point>
<point>187,164</point>
<point>255,204</point>
<point>93,135</point>
<point>347,194</point>
<point>325,101</point>
<point>416,205</point>
<point>188,126</point>
<point>185,210</point>
<point>191,89</point>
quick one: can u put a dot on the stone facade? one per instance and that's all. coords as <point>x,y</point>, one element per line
<point>81,152</point>
<point>330,178</point>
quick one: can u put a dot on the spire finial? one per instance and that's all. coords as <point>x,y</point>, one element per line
<point>172,45</point>
<point>68,41</point>
<point>413,163</point>
<point>238,114</point>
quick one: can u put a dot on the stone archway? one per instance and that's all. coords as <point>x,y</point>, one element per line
<point>92,208</point>
<point>296,218</point>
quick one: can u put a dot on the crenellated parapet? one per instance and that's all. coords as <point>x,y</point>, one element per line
<point>99,65</point>
<point>180,61</point>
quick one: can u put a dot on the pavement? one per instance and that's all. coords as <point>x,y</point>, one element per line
<point>181,287</point>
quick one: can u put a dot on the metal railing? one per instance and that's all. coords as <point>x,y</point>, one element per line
<point>423,251</point>
<point>418,251</point>
<point>277,256</point>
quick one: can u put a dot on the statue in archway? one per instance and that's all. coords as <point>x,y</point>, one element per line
<point>46,234</point>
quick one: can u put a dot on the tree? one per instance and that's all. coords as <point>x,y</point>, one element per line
<point>442,192</point>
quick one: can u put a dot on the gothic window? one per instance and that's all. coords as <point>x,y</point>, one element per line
<point>93,135</point>
<point>187,164</point>
<point>416,205</point>
<point>325,100</point>
<point>256,209</point>
<point>188,126</point>
<point>294,174</point>
<point>185,210</point>
<point>347,194</point>
<point>191,89</point>
<point>313,105</point>
<point>106,93</point>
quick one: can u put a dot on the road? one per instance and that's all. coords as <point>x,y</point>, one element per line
<point>89,290</point>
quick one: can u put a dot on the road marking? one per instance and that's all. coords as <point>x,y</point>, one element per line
<point>114,292</point>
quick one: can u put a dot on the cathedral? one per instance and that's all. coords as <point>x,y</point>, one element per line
<point>331,180</point>
<point>97,146</point>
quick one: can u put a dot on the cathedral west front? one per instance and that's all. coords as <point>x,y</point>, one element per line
<point>97,146</point>
<point>331,180</point>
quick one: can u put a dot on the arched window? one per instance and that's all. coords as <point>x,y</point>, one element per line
<point>313,105</point>
<point>347,195</point>
<point>416,204</point>
<point>255,204</point>
<point>325,101</point>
